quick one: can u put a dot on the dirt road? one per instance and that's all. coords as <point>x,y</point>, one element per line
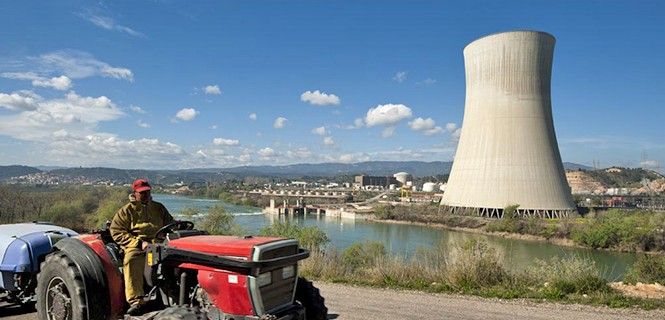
<point>348,302</point>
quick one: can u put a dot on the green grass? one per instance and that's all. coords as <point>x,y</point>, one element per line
<point>471,268</point>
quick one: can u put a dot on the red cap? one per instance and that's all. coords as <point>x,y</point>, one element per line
<point>141,185</point>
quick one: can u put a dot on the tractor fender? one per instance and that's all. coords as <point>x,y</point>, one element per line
<point>90,267</point>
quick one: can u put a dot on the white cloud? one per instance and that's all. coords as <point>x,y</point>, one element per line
<point>143,124</point>
<point>357,124</point>
<point>400,76</point>
<point>212,89</point>
<point>266,152</point>
<point>187,114</point>
<point>346,158</point>
<point>78,64</point>
<point>109,24</point>
<point>136,109</point>
<point>388,132</point>
<point>426,126</point>
<point>39,118</point>
<point>58,83</point>
<point>252,116</point>
<point>419,124</point>
<point>280,122</point>
<point>213,127</point>
<point>299,154</point>
<point>387,114</point>
<point>225,142</point>
<point>328,141</point>
<point>319,98</point>
<point>320,131</point>
<point>19,100</point>
<point>428,82</point>
<point>451,127</point>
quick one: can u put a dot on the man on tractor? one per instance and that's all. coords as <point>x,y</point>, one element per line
<point>133,227</point>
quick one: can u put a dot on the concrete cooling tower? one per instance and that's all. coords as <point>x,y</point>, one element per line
<point>507,152</point>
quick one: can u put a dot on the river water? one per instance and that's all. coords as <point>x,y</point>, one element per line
<point>402,239</point>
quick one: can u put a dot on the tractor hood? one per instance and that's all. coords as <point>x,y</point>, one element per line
<point>231,246</point>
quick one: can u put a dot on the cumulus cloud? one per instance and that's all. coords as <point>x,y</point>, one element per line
<point>225,142</point>
<point>109,24</point>
<point>451,127</point>
<point>38,118</point>
<point>319,98</point>
<point>23,100</point>
<point>266,152</point>
<point>346,158</point>
<point>320,131</point>
<point>299,154</point>
<point>426,126</point>
<point>328,141</point>
<point>136,109</point>
<point>58,83</point>
<point>252,116</point>
<point>280,122</point>
<point>387,114</point>
<point>187,114</point>
<point>212,89</point>
<point>143,124</point>
<point>400,76</point>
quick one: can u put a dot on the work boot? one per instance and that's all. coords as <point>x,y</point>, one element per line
<point>136,310</point>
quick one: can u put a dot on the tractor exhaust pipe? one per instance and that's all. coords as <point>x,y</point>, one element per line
<point>183,288</point>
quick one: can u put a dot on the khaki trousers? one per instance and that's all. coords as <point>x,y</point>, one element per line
<point>132,268</point>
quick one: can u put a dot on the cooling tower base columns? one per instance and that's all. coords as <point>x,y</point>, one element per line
<point>498,212</point>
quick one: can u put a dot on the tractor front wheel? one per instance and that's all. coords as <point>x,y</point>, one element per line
<point>180,313</point>
<point>310,297</point>
<point>60,290</point>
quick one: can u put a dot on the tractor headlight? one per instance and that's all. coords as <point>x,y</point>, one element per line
<point>288,272</point>
<point>264,279</point>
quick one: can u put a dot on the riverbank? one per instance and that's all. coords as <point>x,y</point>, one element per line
<point>505,235</point>
<point>616,230</point>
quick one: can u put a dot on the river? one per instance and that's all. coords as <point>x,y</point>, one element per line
<point>403,239</point>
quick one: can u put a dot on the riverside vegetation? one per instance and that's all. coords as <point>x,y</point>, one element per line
<point>622,230</point>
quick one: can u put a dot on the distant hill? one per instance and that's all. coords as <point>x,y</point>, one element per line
<point>15,171</point>
<point>375,168</point>
<point>575,166</point>
<point>205,175</point>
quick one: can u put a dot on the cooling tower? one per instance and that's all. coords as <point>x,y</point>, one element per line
<point>507,152</point>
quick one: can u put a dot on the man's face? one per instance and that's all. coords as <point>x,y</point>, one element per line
<point>142,196</point>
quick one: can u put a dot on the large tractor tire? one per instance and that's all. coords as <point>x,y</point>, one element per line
<point>180,313</point>
<point>310,297</point>
<point>71,284</point>
<point>60,290</point>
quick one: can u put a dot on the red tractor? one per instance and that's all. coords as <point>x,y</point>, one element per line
<point>190,275</point>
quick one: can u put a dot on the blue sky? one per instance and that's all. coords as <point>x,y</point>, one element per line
<point>182,84</point>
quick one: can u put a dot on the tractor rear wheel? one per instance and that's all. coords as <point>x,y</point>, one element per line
<point>180,313</point>
<point>60,290</point>
<point>310,297</point>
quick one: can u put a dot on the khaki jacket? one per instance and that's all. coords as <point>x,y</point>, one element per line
<point>136,222</point>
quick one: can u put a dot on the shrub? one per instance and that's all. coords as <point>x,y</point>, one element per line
<point>475,265</point>
<point>312,237</point>
<point>219,222</point>
<point>363,254</point>
<point>559,277</point>
<point>647,269</point>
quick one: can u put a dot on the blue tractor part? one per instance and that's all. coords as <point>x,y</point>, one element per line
<point>23,247</point>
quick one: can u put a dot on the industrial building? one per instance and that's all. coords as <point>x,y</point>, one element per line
<point>507,152</point>
<point>379,181</point>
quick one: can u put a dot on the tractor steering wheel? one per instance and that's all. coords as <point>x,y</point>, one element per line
<point>181,225</point>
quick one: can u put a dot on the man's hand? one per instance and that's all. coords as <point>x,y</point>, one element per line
<point>144,245</point>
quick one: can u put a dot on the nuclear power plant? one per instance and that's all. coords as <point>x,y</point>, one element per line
<point>507,152</point>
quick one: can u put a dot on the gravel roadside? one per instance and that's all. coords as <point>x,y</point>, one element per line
<point>349,302</point>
